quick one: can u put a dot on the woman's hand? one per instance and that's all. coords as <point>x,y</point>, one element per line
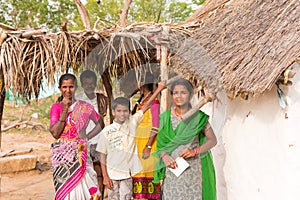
<point>169,161</point>
<point>146,153</point>
<point>108,182</point>
<point>208,96</point>
<point>66,103</point>
<point>187,153</point>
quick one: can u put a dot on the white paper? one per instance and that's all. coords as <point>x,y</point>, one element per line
<point>182,165</point>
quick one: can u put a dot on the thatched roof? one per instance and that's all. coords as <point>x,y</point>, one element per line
<point>251,42</point>
<point>241,46</point>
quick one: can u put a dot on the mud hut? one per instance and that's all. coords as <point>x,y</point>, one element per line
<point>240,51</point>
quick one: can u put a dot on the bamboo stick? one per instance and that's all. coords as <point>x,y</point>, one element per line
<point>7,27</point>
<point>28,34</point>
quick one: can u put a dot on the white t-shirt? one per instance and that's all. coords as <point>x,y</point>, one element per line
<point>117,141</point>
<point>82,96</point>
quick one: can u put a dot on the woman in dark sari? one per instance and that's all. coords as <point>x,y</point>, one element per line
<point>191,139</point>
<point>73,173</point>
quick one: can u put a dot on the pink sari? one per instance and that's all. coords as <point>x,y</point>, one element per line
<point>69,153</point>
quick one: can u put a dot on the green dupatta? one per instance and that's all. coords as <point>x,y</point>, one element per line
<point>168,140</point>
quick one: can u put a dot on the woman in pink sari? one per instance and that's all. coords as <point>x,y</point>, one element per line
<point>72,168</point>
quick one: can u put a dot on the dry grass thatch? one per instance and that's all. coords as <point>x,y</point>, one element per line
<point>240,46</point>
<point>251,42</point>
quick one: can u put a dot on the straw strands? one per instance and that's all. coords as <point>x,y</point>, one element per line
<point>242,47</point>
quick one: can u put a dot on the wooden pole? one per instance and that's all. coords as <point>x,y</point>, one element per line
<point>2,99</point>
<point>164,72</point>
<point>108,88</point>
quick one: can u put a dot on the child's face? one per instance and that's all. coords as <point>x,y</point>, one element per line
<point>121,113</point>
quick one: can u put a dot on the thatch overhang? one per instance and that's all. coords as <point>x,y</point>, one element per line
<point>251,42</point>
<point>35,55</point>
<point>241,46</point>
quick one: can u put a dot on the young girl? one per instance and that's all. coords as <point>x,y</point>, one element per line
<point>188,139</point>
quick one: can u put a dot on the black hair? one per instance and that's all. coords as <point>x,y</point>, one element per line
<point>187,84</point>
<point>65,77</point>
<point>88,74</point>
<point>120,101</point>
<point>149,81</point>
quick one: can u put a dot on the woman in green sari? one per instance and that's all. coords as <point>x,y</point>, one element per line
<point>191,139</point>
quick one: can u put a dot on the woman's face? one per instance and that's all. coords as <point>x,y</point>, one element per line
<point>68,88</point>
<point>181,96</point>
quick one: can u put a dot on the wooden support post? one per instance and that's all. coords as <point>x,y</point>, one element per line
<point>2,99</point>
<point>164,71</point>
<point>108,88</point>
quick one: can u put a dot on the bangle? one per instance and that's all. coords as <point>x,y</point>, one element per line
<point>154,129</point>
<point>62,120</point>
<point>196,151</point>
<point>163,154</point>
<point>149,146</point>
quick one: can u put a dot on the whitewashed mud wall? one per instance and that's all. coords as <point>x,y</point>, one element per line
<point>258,153</point>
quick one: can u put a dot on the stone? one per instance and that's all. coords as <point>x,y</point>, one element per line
<point>17,163</point>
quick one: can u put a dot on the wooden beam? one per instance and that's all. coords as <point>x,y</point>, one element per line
<point>28,34</point>
<point>164,71</point>
<point>108,88</point>
<point>2,99</point>
<point>7,27</point>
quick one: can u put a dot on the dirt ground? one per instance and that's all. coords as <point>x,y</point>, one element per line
<point>35,184</point>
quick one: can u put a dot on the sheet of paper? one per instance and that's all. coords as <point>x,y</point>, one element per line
<point>182,165</point>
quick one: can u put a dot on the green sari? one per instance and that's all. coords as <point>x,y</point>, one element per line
<point>168,140</point>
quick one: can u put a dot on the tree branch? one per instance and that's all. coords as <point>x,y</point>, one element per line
<point>83,14</point>
<point>124,14</point>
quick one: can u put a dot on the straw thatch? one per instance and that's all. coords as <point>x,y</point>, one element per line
<point>251,42</point>
<point>240,46</point>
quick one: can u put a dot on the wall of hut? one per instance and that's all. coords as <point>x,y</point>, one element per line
<point>257,156</point>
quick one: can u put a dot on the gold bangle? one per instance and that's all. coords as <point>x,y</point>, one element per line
<point>62,120</point>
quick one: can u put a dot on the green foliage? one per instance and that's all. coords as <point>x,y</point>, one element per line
<point>141,10</point>
<point>106,11</point>
<point>178,11</point>
<point>153,11</point>
<point>52,13</point>
<point>37,13</point>
<point>198,2</point>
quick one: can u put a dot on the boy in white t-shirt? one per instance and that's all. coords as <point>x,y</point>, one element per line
<point>117,147</point>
